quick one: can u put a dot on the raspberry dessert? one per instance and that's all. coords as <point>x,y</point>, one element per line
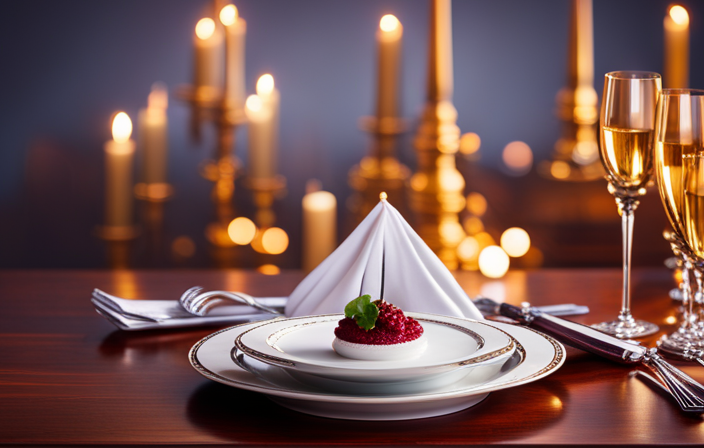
<point>377,331</point>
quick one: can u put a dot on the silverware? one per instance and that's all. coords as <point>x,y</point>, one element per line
<point>688,393</point>
<point>198,303</point>
<point>688,354</point>
<point>487,307</point>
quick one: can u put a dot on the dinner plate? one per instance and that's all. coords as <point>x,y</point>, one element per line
<point>304,345</point>
<point>479,373</point>
<point>541,356</point>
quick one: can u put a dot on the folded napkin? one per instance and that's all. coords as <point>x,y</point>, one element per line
<point>152,314</point>
<point>385,258</point>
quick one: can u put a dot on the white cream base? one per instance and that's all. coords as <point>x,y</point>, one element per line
<point>369,352</point>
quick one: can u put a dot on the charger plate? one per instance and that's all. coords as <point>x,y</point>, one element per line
<point>540,356</point>
<point>304,344</point>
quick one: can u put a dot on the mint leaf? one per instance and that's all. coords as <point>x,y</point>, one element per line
<point>363,311</point>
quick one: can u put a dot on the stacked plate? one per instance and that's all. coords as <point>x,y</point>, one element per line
<point>293,363</point>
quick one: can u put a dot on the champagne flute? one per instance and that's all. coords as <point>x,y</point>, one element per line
<point>679,136</point>
<point>627,131</point>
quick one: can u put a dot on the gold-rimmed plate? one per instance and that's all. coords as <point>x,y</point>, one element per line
<point>304,344</point>
<point>541,356</point>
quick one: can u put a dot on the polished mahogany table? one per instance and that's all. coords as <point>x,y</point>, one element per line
<point>69,377</point>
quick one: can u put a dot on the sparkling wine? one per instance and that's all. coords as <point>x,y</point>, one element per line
<point>627,155</point>
<point>693,216</point>
<point>668,167</point>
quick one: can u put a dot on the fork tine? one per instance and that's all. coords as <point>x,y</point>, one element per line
<point>188,296</point>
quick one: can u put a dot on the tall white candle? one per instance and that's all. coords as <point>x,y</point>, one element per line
<point>262,112</point>
<point>153,135</point>
<point>119,154</point>
<point>319,228</point>
<point>235,33</point>
<point>207,44</point>
<point>389,40</point>
<point>676,70</point>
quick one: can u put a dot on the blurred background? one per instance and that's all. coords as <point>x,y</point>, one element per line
<point>69,66</point>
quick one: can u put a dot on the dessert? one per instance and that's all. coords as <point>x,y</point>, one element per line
<point>377,331</point>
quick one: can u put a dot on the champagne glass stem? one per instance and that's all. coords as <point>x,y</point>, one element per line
<point>628,207</point>
<point>688,299</point>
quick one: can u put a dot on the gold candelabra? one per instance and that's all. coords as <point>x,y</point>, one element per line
<point>576,153</point>
<point>436,188</point>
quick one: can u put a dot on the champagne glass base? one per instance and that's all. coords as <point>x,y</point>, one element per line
<point>627,328</point>
<point>683,340</point>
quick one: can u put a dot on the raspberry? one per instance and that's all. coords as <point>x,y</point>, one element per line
<point>392,327</point>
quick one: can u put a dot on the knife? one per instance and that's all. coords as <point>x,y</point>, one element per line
<point>688,393</point>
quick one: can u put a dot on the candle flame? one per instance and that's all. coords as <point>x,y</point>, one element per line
<point>159,97</point>
<point>253,103</point>
<point>121,127</point>
<point>389,23</point>
<point>679,15</point>
<point>205,28</point>
<point>265,85</point>
<point>228,15</point>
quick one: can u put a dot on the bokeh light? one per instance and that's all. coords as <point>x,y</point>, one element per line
<point>269,269</point>
<point>493,262</point>
<point>275,240</point>
<point>241,231</point>
<point>205,28</point>
<point>518,157</point>
<point>468,249</point>
<point>470,143</point>
<point>265,85</point>
<point>473,225</point>
<point>515,242</point>
<point>389,23</point>
<point>121,127</point>
<point>253,103</point>
<point>183,247</point>
<point>476,204</point>
<point>560,170</point>
<point>228,15</point>
<point>679,15</point>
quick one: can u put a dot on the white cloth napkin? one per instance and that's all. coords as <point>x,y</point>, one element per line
<point>383,257</point>
<point>152,314</point>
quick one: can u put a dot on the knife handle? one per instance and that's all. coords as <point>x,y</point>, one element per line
<point>574,334</point>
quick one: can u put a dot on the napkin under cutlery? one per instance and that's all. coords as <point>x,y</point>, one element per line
<point>152,314</point>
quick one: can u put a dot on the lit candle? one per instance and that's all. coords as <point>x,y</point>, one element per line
<point>262,112</point>
<point>389,38</point>
<point>153,136</point>
<point>207,42</point>
<point>235,32</point>
<point>119,153</point>
<point>676,70</point>
<point>319,228</point>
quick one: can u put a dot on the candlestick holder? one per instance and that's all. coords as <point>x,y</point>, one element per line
<point>117,233</point>
<point>380,170</point>
<point>436,188</point>
<point>153,192</point>
<point>576,153</point>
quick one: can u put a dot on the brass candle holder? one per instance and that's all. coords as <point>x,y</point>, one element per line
<point>436,188</point>
<point>380,170</point>
<point>576,153</point>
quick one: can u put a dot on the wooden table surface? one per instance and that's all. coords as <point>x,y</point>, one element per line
<point>67,376</point>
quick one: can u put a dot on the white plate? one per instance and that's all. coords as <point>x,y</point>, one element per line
<point>542,356</point>
<point>304,344</point>
<point>283,377</point>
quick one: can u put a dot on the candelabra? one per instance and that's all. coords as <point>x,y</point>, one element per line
<point>576,153</point>
<point>436,188</point>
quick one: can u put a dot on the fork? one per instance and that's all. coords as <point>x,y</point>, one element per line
<point>197,302</point>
